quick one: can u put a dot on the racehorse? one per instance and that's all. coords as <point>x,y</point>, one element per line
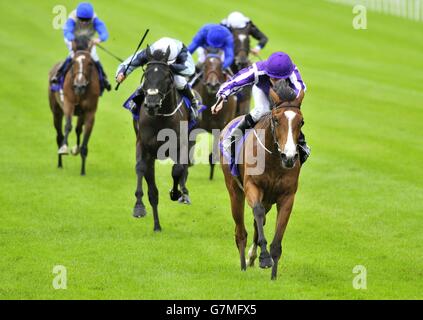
<point>212,77</point>
<point>160,110</point>
<point>276,185</point>
<point>81,90</point>
<point>241,61</point>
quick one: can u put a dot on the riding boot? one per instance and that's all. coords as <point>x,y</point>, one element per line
<point>303,148</point>
<point>64,67</point>
<point>137,101</point>
<point>237,133</point>
<point>188,93</point>
<point>100,69</point>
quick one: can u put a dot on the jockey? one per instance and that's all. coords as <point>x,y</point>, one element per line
<point>82,21</point>
<point>263,75</point>
<point>213,38</point>
<point>180,62</point>
<point>236,20</point>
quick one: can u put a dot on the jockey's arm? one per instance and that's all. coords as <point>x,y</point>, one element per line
<point>139,60</point>
<point>229,52</point>
<point>243,78</point>
<point>199,40</point>
<point>179,64</point>
<point>101,29</point>
<point>68,30</point>
<point>258,35</point>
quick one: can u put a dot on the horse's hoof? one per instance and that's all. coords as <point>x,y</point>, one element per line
<point>75,151</point>
<point>139,212</point>
<point>63,150</point>
<point>184,199</point>
<point>157,229</point>
<point>266,262</point>
<point>175,195</point>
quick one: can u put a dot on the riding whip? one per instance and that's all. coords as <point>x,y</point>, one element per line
<point>110,53</point>
<point>139,45</point>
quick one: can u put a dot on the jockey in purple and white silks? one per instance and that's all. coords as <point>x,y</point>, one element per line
<point>213,38</point>
<point>83,21</point>
<point>262,76</point>
<point>180,62</point>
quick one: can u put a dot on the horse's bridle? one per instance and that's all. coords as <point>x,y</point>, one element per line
<point>273,130</point>
<point>215,72</point>
<point>87,76</point>
<point>161,94</point>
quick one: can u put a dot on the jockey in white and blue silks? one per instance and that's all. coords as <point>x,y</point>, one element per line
<point>180,62</point>
<point>262,76</point>
<point>214,38</point>
<point>84,21</point>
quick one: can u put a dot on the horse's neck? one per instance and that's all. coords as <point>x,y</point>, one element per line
<point>169,103</point>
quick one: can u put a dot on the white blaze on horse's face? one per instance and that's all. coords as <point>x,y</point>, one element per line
<point>80,61</point>
<point>290,149</point>
<point>152,92</point>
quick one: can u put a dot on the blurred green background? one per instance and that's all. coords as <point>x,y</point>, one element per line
<point>360,196</point>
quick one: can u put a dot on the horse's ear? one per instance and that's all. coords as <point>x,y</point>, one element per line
<point>167,54</point>
<point>73,44</point>
<point>148,53</point>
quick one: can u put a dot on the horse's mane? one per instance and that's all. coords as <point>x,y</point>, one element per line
<point>82,42</point>
<point>157,55</point>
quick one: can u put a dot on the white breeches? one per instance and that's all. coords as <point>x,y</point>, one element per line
<point>261,104</point>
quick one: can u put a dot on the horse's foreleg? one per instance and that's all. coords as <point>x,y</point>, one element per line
<point>78,130</point>
<point>254,197</point>
<point>182,183</point>
<point>68,111</point>
<point>140,169</point>
<point>177,172</point>
<point>153,192</point>
<point>284,207</point>
<point>88,127</point>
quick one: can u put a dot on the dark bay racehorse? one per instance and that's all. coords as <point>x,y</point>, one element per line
<point>160,113</point>
<point>241,61</point>
<point>81,90</point>
<point>213,76</point>
<point>277,184</point>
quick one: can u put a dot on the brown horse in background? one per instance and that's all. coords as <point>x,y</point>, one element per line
<point>81,90</point>
<point>277,184</point>
<point>213,76</point>
<point>241,61</point>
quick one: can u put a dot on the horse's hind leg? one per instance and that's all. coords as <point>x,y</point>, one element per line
<point>254,197</point>
<point>284,207</point>
<point>252,253</point>
<point>177,172</point>
<point>237,207</point>
<point>88,127</point>
<point>58,122</point>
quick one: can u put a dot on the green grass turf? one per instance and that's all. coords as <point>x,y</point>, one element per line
<point>360,196</point>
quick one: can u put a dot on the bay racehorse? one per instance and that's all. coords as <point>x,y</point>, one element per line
<point>276,184</point>
<point>241,61</point>
<point>161,113</point>
<point>212,77</point>
<point>79,97</point>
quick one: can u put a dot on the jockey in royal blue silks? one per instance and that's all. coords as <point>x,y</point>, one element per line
<point>213,38</point>
<point>180,62</point>
<point>263,75</point>
<point>84,21</point>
